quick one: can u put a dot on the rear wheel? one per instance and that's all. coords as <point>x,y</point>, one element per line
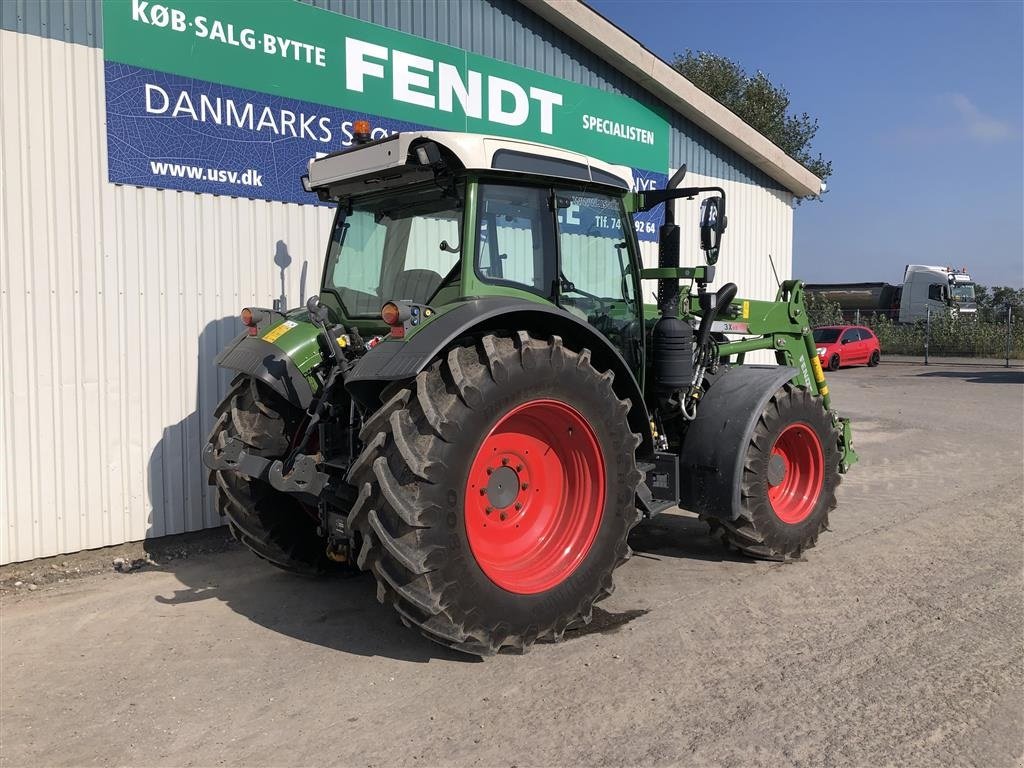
<point>496,493</point>
<point>790,476</point>
<point>875,359</point>
<point>274,525</point>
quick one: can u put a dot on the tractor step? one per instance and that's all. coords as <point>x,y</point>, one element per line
<point>660,490</point>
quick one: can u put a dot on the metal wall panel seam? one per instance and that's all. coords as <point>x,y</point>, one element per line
<point>7,526</point>
<point>36,355</point>
<point>8,161</point>
<point>22,413</point>
<point>65,293</point>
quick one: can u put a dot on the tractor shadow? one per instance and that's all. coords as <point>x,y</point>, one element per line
<point>337,613</point>
<point>679,534</point>
<point>340,613</point>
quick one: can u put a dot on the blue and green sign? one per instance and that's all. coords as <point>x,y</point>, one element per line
<point>233,98</point>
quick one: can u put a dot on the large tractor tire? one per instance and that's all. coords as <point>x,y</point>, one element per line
<point>790,476</point>
<point>274,525</point>
<point>496,492</point>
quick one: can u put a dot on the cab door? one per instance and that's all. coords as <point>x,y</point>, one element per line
<point>597,269</point>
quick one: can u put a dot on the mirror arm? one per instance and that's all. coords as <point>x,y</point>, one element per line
<point>648,200</point>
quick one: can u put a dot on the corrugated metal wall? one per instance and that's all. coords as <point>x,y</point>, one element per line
<point>115,300</point>
<point>114,303</point>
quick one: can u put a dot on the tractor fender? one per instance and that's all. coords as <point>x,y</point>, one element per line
<point>715,444</point>
<point>271,365</point>
<point>397,361</point>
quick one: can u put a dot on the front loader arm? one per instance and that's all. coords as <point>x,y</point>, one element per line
<point>783,327</point>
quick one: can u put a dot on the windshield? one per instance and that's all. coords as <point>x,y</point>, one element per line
<point>400,246</point>
<point>826,335</point>
<point>962,292</point>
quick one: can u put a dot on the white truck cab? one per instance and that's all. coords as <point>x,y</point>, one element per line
<point>941,289</point>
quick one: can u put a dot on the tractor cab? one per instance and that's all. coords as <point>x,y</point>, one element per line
<point>429,219</point>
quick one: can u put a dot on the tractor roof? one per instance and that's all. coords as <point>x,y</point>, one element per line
<point>473,150</point>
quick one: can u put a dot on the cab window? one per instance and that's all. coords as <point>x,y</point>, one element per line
<point>516,238</point>
<point>393,248</point>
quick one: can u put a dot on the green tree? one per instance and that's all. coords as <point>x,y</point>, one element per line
<point>992,301</point>
<point>761,104</point>
<point>821,311</point>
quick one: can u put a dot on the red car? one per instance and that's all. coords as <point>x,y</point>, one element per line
<point>846,345</point>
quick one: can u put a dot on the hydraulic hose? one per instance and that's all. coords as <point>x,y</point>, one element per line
<point>723,298</point>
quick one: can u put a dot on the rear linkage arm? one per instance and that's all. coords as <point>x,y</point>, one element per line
<point>300,472</point>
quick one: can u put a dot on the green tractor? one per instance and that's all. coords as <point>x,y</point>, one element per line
<point>477,407</point>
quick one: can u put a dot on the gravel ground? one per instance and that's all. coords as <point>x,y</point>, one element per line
<point>897,641</point>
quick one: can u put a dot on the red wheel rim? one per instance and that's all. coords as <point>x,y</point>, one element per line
<point>796,471</point>
<point>535,497</point>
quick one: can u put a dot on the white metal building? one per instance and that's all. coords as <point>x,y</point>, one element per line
<point>115,297</point>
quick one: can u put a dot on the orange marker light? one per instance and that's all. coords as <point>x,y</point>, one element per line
<point>361,131</point>
<point>390,314</point>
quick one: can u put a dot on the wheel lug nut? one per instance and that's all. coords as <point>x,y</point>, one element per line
<point>489,470</point>
<point>504,461</point>
<point>483,491</point>
<point>525,486</point>
<point>518,505</point>
<point>519,467</point>
<point>489,510</point>
<point>503,515</point>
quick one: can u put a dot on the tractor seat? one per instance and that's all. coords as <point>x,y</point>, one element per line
<point>415,285</point>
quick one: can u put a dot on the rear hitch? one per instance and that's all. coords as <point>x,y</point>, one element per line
<point>304,476</point>
<point>232,457</point>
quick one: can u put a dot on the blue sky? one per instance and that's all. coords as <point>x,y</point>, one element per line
<point>921,107</point>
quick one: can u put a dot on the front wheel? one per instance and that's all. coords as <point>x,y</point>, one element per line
<point>496,493</point>
<point>790,476</point>
<point>833,363</point>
